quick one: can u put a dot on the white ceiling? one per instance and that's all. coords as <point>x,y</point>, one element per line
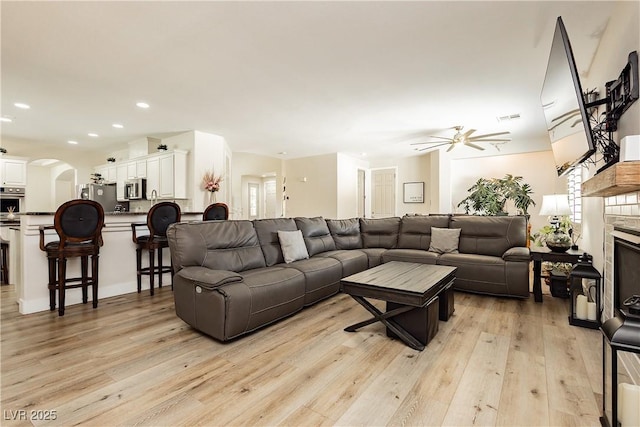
<point>304,78</point>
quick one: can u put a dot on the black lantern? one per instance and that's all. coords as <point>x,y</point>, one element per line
<point>584,289</point>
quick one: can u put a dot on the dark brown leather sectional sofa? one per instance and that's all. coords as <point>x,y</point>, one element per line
<point>231,278</point>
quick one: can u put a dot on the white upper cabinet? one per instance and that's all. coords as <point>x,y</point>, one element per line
<point>137,169</point>
<point>107,172</point>
<point>14,172</point>
<point>167,174</point>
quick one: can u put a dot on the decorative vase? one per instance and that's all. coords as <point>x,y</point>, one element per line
<point>212,197</point>
<point>11,215</point>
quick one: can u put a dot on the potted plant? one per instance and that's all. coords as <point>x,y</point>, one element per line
<point>489,196</point>
<point>111,159</point>
<point>162,147</point>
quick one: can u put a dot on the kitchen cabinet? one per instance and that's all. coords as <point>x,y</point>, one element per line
<point>13,172</point>
<point>137,169</point>
<point>107,172</point>
<point>167,174</point>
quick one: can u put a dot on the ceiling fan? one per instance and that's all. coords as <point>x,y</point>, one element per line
<point>464,139</point>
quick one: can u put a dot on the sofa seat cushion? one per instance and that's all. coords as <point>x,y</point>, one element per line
<point>410,255</point>
<point>478,273</point>
<point>322,277</point>
<point>374,255</point>
<point>353,261</point>
<point>274,293</point>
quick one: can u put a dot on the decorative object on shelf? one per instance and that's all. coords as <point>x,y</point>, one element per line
<point>11,214</point>
<point>211,183</point>
<point>584,285</point>
<point>162,147</point>
<point>96,178</point>
<point>3,150</point>
<point>489,196</point>
<point>556,205</point>
<point>111,159</point>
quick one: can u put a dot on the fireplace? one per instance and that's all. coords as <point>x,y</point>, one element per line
<point>626,268</point>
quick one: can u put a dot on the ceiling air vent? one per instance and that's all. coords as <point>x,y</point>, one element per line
<point>508,117</point>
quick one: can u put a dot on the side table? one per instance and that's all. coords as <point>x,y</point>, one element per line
<point>539,254</point>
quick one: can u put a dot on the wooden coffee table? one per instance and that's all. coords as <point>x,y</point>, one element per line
<point>407,287</point>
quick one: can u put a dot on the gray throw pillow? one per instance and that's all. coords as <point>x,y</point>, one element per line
<point>444,240</point>
<point>292,244</point>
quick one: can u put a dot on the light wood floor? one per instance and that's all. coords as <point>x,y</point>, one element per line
<point>133,362</point>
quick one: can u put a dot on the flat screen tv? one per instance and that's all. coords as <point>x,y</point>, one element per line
<point>564,106</point>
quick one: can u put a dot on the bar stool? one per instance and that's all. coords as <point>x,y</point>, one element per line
<point>216,211</point>
<point>4,268</point>
<point>78,224</point>
<point>160,216</point>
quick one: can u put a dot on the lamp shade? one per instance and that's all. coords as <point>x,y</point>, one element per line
<point>555,204</point>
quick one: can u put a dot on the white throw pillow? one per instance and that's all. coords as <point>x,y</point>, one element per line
<point>444,240</point>
<point>293,247</point>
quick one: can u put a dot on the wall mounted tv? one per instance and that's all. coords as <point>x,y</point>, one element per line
<point>564,106</point>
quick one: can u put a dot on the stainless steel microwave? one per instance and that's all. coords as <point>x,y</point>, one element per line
<point>135,189</point>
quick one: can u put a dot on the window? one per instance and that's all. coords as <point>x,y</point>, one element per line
<point>574,181</point>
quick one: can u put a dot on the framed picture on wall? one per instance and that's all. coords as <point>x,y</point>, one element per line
<point>413,192</point>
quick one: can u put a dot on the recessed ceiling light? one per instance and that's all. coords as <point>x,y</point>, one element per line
<point>142,104</point>
<point>117,125</point>
<point>22,105</point>
<point>73,142</point>
<point>93,135</point>
<point>6,119</point>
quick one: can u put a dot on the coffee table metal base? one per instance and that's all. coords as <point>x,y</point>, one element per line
<point>387,319</point>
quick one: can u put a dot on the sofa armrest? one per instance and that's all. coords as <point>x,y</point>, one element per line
<point>208,278</point>
<point>517,253</point>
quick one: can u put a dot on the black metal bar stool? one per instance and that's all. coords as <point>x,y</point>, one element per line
<point>4,268</point>
<point>78,224</point>
<point>216,211</point>
<point>160,216</point>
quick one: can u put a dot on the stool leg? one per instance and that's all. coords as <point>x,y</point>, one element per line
<point>94,280</point>
<point>139,266</point>
<point>84,267</point>
<point>62,274</point>
<point>52,283</point>
<point>160,267</point>
<point>151,269</point>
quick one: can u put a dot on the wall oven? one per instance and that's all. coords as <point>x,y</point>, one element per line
<point>11,198</point>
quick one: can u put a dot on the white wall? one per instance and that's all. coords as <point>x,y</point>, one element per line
<point>621,37</point>
<point>537,169</point>
<point>311,186</point>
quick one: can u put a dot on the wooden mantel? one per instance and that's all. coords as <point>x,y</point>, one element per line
<point>621,178</point>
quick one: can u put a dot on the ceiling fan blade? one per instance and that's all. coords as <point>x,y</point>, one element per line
<point>451,148</point>
<point>490,140</point>
<point>467,133</point>
<point>431,142</point>
<point>441,137</point>
<point>477,147</point>
<point>432,147</point>
<point>488,134</point>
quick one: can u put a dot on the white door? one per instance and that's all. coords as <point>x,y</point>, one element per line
<point>383,193</point>
<point>361,193</point>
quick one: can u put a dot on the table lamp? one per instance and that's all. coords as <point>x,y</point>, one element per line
<point>555,205</point>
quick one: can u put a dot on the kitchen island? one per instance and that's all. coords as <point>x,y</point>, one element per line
<point>117,263</point>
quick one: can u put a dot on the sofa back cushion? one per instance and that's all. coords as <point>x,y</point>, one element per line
<point>490,235</point>
<point>267,231</point>
<point>415,231</point>
<point>380,232</point>
<point>345,233</point>
<point>316,235</point>
<point>218,245</point>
